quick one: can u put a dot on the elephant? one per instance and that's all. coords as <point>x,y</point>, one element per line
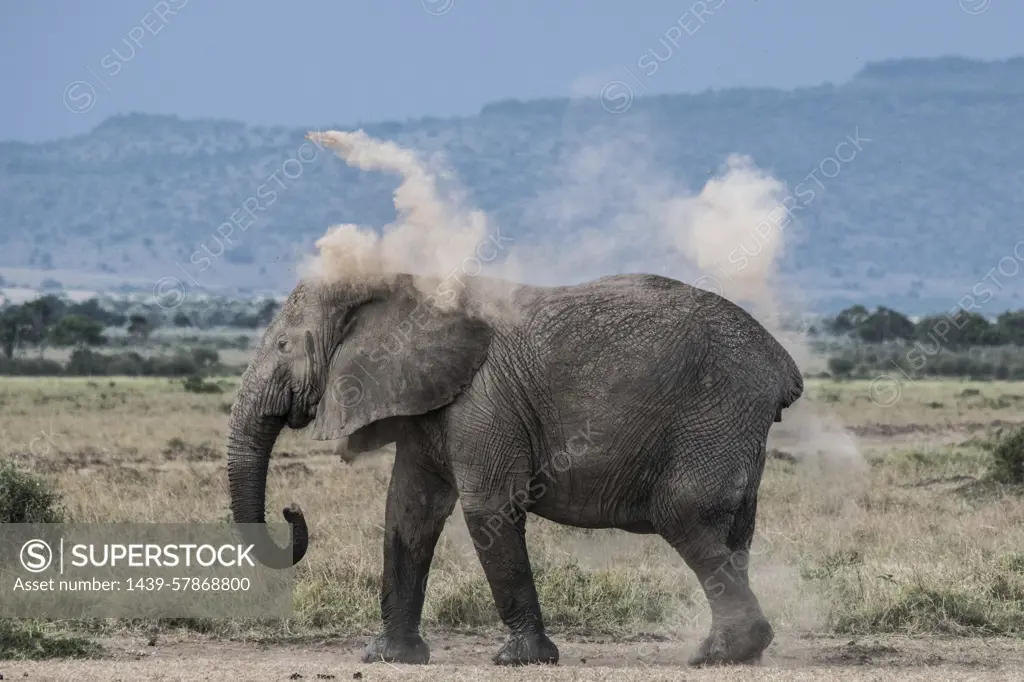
<point>631,401</point>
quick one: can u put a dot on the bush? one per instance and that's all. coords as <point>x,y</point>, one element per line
<point>1008,458</point>
<point>26,498</point>
<point>34,367</point>
<point>21,641</point>
<point>196,384</point>
<point>85,362</point>
<point>840,366</point>
<point>177,365</point>
<point>127,364</point>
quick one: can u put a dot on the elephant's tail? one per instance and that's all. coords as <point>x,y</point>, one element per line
<point>792,386</point>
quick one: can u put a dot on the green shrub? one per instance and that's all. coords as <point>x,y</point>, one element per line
<point>34,367</point>
<point>26,498</point>
<point>21,641</point>
<point>178,365</point>
<point>85,362</point>
<point>1008,458</point>
<point>840,366</point>
<point>196,384</point>
<point>129,364</point>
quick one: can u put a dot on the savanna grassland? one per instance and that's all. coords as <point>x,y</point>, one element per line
<point>884,549</point>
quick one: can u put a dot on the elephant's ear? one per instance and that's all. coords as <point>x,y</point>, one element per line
<point>399,356</point>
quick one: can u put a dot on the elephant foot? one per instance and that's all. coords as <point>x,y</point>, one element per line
<point>527,649</point>
<point>397,649</point>
<point>737,644</point>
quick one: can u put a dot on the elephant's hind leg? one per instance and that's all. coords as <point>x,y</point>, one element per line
<point>499,534</point>
<point>419,502</point>
<point>715,543</point>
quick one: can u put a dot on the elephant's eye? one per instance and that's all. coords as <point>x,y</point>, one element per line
<point>282,343</point>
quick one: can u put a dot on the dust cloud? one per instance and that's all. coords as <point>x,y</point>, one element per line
<point>434,232</point>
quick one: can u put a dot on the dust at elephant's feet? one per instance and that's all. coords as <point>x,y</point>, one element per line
<point>409,649</point>
<point>527,649</point>
<point>743,644</point>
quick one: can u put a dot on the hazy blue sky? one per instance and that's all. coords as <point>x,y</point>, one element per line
<point>334,61</point>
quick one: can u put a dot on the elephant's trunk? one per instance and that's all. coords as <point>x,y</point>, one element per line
<point>249,444</point>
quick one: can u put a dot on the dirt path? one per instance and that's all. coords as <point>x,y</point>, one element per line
<point>467,657</point>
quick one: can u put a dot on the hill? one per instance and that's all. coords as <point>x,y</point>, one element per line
<point>922,213</point>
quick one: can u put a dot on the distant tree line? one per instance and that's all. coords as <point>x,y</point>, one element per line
<point>183,363</point>
<point>954,331</point>
<point>958,344</point>
<point>52,321</point>
<point>978,362</point>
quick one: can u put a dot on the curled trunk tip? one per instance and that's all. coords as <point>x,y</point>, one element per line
<point>249,450</point>
<point>266,551</point>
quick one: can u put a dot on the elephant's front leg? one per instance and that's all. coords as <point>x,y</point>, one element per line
<point>419,502</point>
<point>499,534</point>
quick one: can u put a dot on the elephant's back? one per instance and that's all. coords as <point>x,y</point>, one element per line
<point>635,307</point>
<point>645,331</point>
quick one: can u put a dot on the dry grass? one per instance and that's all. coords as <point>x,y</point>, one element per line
<point>913,543</point>
<point>928,403</point>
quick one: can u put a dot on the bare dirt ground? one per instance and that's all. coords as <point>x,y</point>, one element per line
<point>467,657</point>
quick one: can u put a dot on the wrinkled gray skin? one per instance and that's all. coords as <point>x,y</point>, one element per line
<point>632,401</point>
